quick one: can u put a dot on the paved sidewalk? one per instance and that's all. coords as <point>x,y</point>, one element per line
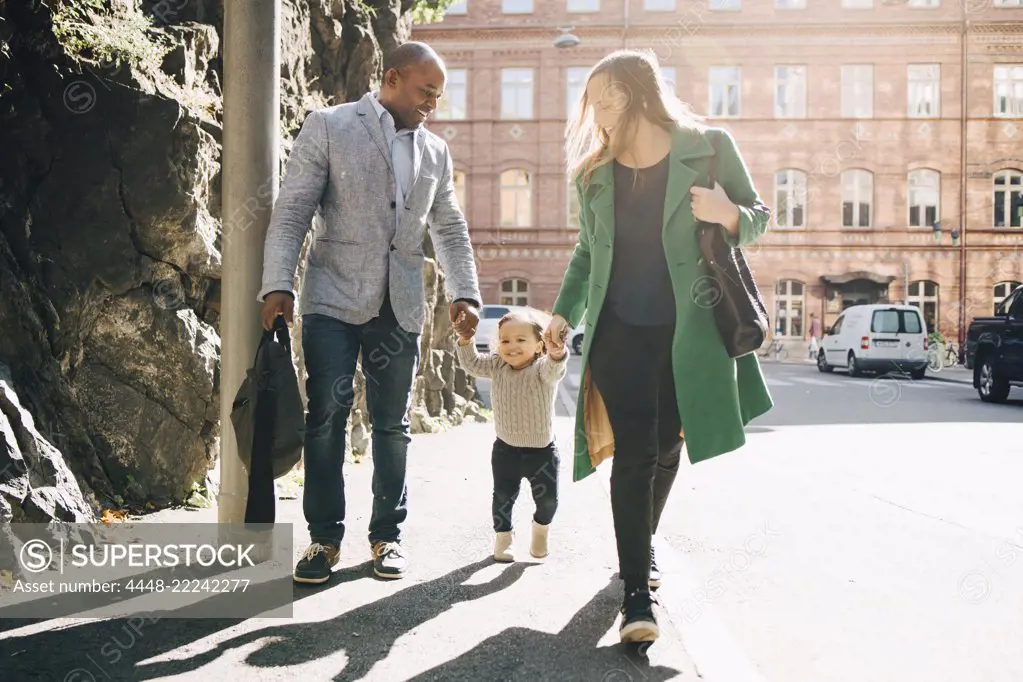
<point>957,374</point>
<point>457,616</point>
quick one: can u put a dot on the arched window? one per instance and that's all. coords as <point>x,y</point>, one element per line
<point>924,295</point>
<point>1008,198</point>
<point>516,198</point>
<point>924,197</point>
<point>857,197</point>
<point>459,180</point>
<point>514,292</point>
<point>1002,291</point>
<point>790,198</point>
<point>789,299</point>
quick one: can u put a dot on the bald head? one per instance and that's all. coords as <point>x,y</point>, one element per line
<point>414,80</point>
<point>410,54</point>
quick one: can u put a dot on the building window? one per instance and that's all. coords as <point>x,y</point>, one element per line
<point>790,198</point>
<point>788,304</point>
<point>725,85</point>
<point>458,7</point>
<point>516,93</point>
<point>790,92</point>
<point>857,4</point>
<point>516,6</point>
<point>1008,198</point>
<point>1008,3</point>
<point>790,4</point>
<point>459,181</point>
<point>857,90</point>
<point>575,86</point>
<point>583,6</point>
<point>516,198</point>
<point>1009,90</point>
<point>514,292</point>
<point>924,90</point>
<point>924,295</point>
<point>668,76</point>
<point>857,197</point>
<point>724,5</point>
<point>452,106</point>
<point>1002,291</point>
<point>659,5</point>
<point>573,206</point>
<point>924,197</point>
<point>924,3</point>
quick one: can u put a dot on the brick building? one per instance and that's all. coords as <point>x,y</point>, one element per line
<point>888,175</point>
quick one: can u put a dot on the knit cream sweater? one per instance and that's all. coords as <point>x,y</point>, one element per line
<point>523,399</point>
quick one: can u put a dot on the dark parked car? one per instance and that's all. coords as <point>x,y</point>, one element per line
<point>994,349</point>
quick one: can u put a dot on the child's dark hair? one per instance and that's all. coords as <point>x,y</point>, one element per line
<point>532,318</point>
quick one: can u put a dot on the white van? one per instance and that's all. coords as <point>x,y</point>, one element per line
<point>880,338</point>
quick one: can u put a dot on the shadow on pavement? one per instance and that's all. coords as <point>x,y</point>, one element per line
<point>113,650</point>
<point>572,653</point>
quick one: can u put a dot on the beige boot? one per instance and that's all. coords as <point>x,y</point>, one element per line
<point>503,550</point>
<point>538,547</point>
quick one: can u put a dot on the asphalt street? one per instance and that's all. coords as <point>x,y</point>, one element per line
<point>870,529</point>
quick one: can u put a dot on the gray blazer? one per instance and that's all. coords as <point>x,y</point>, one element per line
<point>340,170</point>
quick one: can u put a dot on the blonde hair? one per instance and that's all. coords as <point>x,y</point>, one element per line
<point>634,84</point>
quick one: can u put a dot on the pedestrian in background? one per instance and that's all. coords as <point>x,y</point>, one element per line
<point>815,335</point>
<point>653,359</point>
<point>525,372</point>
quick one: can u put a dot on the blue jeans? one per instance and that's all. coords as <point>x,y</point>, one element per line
<point>390,360</point>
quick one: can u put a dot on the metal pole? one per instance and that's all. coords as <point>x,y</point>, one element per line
<point>252,63</point>
<point>963,218</point>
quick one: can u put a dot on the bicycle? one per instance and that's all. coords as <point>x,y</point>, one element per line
<point>777,347</point>
<point>953,358</point>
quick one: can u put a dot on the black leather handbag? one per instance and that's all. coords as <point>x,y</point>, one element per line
<point>739,309</point>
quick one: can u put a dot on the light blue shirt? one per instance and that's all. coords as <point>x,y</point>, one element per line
<point>401,146</point>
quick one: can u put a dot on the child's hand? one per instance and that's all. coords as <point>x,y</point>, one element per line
<point>464,337</point>
<point>556,348</point>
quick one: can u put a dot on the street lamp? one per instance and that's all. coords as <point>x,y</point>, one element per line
<point>566,39</point>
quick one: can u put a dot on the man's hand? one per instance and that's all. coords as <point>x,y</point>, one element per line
<point>278,303</point>
<point>464,319</point>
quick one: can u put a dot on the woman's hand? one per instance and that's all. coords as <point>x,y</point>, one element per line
<point>714,206</point>
<point>556,332</point>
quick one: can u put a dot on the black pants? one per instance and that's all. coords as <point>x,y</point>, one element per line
<point>631,367</point>
<point>537,465</point>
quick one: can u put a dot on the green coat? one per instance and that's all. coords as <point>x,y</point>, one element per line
<point>717,396</point>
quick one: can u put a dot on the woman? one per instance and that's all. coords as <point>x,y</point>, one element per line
<point>654,364</point>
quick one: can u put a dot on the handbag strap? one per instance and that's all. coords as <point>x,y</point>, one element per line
<point>278,332</point>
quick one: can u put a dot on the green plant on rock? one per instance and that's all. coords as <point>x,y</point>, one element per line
<point>429,11</point>
<point>107,34</point>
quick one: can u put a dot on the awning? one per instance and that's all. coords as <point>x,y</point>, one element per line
<point>861,274</point>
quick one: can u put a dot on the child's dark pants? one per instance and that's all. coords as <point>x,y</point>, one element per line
<point>510,465</point>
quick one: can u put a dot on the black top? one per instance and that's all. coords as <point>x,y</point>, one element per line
<point>640,289</point>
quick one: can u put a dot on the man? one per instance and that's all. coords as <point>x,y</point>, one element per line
<point>375,179</point>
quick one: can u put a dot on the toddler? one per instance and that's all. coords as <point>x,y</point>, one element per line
<point>525,373</point>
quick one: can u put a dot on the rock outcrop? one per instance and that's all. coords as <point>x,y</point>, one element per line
<point>110,131</point>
